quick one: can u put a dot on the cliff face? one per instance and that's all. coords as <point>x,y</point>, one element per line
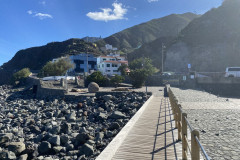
<point>210,42</point>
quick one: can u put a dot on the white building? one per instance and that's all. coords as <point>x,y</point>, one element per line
<point>108,47</point>
<point>108,65</point>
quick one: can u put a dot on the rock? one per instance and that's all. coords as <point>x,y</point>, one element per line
<point>114,125</point>
<point>82,157</point>
<point>54,140</point>
<point>93,87</point>
<point>16,147</point>
<point>57,149</point>
<point>23,157</point>
<point>117,115</point>
<point>66,128</point>
<point>64,139</point>
<point>44,147</point>
<point>102,116</point>
<point>109,134</point>
<point>55,130</point>
<point>69,147</point>
<point>99,136</point>
<point>79,105</point>
<point>82,138</point>
<point>85,113</point>
<point>5,137</point>
<point>7,155</point>
<point>72,117</point>
<point>87,150</point>
<point>107,97</point>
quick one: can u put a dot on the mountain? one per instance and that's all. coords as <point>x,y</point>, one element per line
<point>36,57</point>
<point>91,39</point>
<point>209,43</point>
<point>138,35</point>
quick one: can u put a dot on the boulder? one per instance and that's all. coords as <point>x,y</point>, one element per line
<point>54,140</point>
<point>117,115</point>
<point>82,138</point>
<point>93,87</point>
<point>5,137</point>
<point>23,157</point>
<point>87,149</point>
<point>44,147</point>
<point>16,147</point>
<point>114,125</point>
<point>7,155</point>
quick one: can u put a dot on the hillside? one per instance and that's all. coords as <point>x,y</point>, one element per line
<point>138,35</point>
<point>35,57</point>
<point>210,42</point>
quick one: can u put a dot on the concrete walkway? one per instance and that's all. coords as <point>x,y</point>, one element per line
<point>153,136</point>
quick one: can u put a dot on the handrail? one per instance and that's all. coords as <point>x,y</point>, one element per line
<point>182,124</point>
<point>190,127</point>
<point>204,152</point>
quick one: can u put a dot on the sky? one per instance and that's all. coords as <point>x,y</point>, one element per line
<point>30,23</point>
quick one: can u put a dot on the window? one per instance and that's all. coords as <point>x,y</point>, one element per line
<point>108,65</point>
<point>114,65</point>
<point>104,59</point>
<point>233,69</point>
<point>115,70</point>
<point>102,65</point>
<point>108,71</point>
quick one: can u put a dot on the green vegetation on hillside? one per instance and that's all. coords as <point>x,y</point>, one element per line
<point>135,36</point>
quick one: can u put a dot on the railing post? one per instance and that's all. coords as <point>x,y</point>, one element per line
<point>175,112</point>
<point>184,136</point>
<point>179,122</point>
<point>194,145</point>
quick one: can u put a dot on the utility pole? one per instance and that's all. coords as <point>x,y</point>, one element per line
<point>162,56</point>
<point>87,57</point>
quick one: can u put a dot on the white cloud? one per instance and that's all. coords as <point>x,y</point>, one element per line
<point>43,15</point>
<point>30,12</point>
<point>152,1</point>
<point>39,15</point>
<point>108,14</point>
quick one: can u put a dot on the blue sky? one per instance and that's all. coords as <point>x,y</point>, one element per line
<point>30,23</point>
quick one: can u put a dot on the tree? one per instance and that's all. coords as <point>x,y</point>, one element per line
<point>140,69</point>
<point>98,78</point>
<point>122,69</point>
<point>116,80</point>
<point>57,68</point>
<point>21,75</point>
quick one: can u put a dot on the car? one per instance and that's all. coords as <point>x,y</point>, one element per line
<point>232,72</point>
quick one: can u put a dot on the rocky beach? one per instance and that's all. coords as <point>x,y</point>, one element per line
<point>52,128</point>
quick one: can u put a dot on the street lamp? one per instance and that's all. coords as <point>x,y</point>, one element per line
<point>162,55</point>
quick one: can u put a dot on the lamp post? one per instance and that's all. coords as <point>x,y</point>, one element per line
<point>162,55</point>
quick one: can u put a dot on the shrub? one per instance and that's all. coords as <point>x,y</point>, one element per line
<point>21,75</point>
<point>116,80</point>
<point>122,69</point>
<point>140,69</point>
<point>57,68</point>
<point>98,78</point>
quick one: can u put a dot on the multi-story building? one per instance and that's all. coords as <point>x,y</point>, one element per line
<point>108,65</point>
<point>84,62</point>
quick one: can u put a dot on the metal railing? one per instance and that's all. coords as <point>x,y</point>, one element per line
<point>182,124</point>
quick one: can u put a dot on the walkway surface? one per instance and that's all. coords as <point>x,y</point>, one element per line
<point>154,135</point>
